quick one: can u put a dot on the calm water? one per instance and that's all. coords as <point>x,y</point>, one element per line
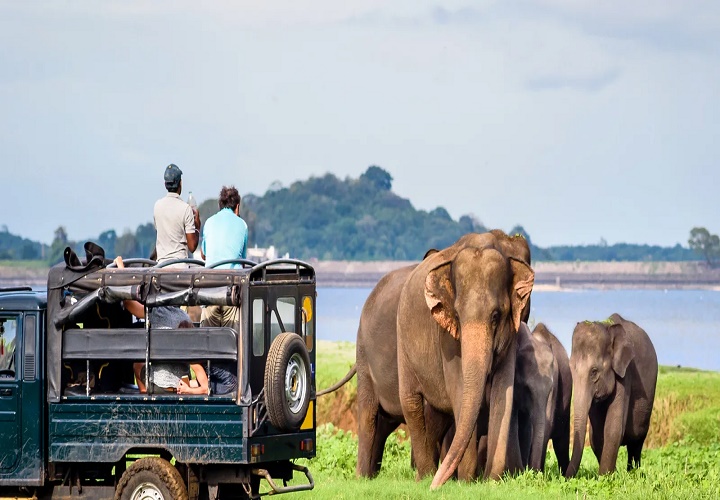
<point>684,325</point>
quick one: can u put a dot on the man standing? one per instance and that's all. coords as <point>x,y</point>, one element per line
<point>225,237</point>
<point>177,223</point>
<point>225,234</point>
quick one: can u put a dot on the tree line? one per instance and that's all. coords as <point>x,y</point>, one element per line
<point>328,218</point>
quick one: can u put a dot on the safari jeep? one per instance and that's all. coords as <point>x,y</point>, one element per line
<point>74,424</point>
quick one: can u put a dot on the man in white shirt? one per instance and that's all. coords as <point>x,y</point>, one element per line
<point>177,223</point>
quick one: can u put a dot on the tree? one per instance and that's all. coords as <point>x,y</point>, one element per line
<point>107,240</point>
<point>57,248</point>
<point>145,236</point>
<point>705,244</point>
<point>126,245</point>
<point>378,177</point>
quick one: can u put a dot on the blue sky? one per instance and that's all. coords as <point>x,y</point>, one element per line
<point>579,120</point>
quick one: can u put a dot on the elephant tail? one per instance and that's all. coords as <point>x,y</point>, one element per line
<point>344,380</point>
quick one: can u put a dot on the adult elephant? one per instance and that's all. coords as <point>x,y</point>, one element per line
<point>457,322</point>
<point>379,410</point>
<point>614,369</point>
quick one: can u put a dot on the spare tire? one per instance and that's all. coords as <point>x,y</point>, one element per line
<point>287,382</point>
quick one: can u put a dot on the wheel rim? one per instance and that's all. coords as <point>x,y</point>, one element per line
<point>295,383</point>
<point>147,491</point>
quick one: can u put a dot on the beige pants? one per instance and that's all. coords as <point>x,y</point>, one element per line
<point>219,316</point>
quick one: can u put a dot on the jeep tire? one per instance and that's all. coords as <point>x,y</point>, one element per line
<point>151,478</point>
<point>287,381</point>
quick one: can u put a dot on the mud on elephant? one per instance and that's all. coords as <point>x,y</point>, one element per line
<point>457,322</point>
<point>614,368</point>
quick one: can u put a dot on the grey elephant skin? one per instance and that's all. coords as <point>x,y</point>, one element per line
<point>541,401</point>
<point>457,322</point>
<point>614,368</point>
<point>379,410</point>
<point>536,374</point>
<point>558,421</point>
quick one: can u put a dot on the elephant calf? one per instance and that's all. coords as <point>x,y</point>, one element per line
<point>536,375</point>
<point>614,369</point>
<point>559,430</point>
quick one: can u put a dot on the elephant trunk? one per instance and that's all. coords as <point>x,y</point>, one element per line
<point>539,442</point>
<point>581,408</point>
<point>476,348</point>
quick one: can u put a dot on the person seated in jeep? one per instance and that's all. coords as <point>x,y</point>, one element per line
<point>174,377</point>
<point>222,379</point>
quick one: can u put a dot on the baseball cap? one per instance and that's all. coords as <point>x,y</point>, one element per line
<point>173,175</point>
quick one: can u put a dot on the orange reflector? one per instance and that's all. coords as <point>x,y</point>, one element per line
<point>307,445</point>
<point>257,449</point>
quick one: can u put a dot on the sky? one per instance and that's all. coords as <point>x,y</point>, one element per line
<point>578,120</point>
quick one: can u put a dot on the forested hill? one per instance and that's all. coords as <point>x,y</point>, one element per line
<point>362,219</point>
<point>328,218</point>
<point>352,219</point>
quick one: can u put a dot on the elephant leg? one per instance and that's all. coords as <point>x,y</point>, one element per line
<point>370,443</point>
<point>424,450</point>
<point>383,428</point>
<point>634,449</point>
<point>597,433</point>
<point>561,444</point>
<point>503,447</point>
<point>613,432</point>
<point>437,424</point>
<point>482,455</point>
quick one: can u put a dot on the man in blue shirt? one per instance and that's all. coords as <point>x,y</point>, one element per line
<point>225,236</point>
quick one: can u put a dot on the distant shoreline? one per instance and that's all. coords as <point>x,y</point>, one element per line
<point>549,276</point>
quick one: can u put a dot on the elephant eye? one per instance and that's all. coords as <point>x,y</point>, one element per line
<point>495,318</point>
<point>594,372</point>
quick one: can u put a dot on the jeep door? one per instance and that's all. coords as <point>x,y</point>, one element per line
<point>10,418</point>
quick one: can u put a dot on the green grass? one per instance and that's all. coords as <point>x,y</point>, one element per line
<point>24,264</point>
<point>334,359</point>
<point>681,459</point>
<point>683,470</point>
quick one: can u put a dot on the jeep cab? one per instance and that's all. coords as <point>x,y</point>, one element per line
<point>74,424</point>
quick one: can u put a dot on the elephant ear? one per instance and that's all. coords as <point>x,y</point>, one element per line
<point>440,298</point>
<point>622,348</point>
<point>430,252</point>
<point>522,284</point>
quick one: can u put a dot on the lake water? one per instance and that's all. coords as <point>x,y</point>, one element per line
<point>684,325</point>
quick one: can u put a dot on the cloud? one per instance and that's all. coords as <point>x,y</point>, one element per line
<point>589,83</point>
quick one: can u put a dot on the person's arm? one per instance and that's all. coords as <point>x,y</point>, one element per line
<point>132,306</point>
<point>244,250</point>
<point>201,378</point>
<point>192,229</point>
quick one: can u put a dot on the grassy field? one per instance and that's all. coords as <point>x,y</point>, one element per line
<point>681,459</point>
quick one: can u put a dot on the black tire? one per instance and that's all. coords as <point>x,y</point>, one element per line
<point>151,478</point>
<point>287,381</point>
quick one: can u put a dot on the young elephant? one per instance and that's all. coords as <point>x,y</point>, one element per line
<point>614,368</point>
<point>560,425</point>
<point>536,375</point>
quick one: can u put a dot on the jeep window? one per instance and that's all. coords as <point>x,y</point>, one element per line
<point>258,314</point>
<point>282,318</point>
<point>8,355</point>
